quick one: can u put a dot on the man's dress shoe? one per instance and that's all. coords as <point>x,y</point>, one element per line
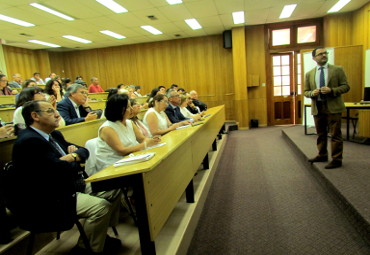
<point>318,159</point>
<point>334,164</point>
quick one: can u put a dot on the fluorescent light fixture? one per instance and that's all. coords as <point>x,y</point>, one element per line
<point>56,13</point>
<point>45,43</point>
<point>77,39</point>
<point>110,4</point>
<point>339,5</point>
<point>238,17</point>
<point>174,2</point>
<point>16,21</point>
<point>287,11</point>
<point>152,30</point>
<point>193,23</point>
<point>110,33</point>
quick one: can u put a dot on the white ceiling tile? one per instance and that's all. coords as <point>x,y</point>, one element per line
<point>91,17</point>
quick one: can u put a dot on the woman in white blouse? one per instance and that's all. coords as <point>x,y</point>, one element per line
<point>156,119</point>
<point>186,112</point>
<point>118,136</point>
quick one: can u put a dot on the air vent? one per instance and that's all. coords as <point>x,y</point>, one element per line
<point>24,34</point>
<point>152,17</point>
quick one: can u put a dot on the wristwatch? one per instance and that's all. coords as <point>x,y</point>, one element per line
<point>74,155</point>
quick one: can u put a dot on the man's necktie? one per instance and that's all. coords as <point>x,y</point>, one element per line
<point>322,83</point>
<point>56,146</point>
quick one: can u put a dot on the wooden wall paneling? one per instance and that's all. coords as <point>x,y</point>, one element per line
<point>351,58</point>
<point>43,63</point>
<point>21,61</point>
<point>240,77</point>
<point>338,30</point>
<point>256,66</point>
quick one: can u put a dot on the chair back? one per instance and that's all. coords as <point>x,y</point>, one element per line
<point>90,164</point>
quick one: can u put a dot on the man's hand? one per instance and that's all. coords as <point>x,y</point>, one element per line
<point>325,90</point>
<point>91,116</point>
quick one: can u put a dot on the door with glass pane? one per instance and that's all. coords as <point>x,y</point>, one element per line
<point>283,89</point>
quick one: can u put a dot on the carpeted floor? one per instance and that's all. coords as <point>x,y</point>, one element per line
<point>264,201</point>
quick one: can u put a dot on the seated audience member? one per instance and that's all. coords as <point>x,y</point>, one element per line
<point>29,83</point>
<point>4,89</point>
<point>66,82</point>
<point>53,88</point>
<point>131,91</point>
<point>36,77</point>
<point>50,77</point>
<point>174,87</point>
<point>27,95</point>
<point>181,91</point>
<point>162,90</point>
<point>191,107</point>
<point>6,130</point>
<point>74,108</point>
<point>94,86</point>
<point>134,112</point>
<point>121,86</point>
<point>194,96</point>
<point>173,109</point>
<point>138,91</point>
<point>42,193</point>
<point>186,112</point>
<point>79,77</point>
<point>16,83</point>
<point>118,136</point>
<point>156,119</point>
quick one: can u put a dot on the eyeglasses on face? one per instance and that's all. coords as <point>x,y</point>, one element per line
<point>48,111</point>
<point>163,101</point>
<point>322,54</point>
<point>39,93</point>
<point>129,108</point>
<point>83,93</point>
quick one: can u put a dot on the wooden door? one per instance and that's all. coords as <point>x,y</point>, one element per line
<point>282,96</point>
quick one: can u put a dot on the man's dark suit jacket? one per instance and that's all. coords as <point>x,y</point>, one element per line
<point>41,186</point>
<point>174,116</point>
<point>202,106</point>
<point>68,112</point>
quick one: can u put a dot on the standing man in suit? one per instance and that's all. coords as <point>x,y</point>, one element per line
<point>74,107</point>
<point>47,174</point>
<point>325,85</point>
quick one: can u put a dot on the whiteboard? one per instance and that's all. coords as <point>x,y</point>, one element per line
<point>308,64</point>
<point>367,68</point>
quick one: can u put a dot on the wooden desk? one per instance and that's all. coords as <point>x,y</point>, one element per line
<point>6,114</point>
<point>102,95</point>
<point>77,133</point>
<point>159,183</point>
<point>98,104</point>
<point>141,100</point>
<point>349,107</point>
<point>7,99</point>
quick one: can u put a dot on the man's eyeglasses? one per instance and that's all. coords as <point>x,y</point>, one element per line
<point>48,111</point>
<point>322,54</point>
<point>83,93</point>
<point>166,102</point>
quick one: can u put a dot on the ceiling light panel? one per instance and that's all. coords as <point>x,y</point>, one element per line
<point>112,5</point>
<point>172,2</point>
<point>51,11</point>
<point>45,43</point>
<point>152,30</point>
<point>193,23</point>
<point>339,5</point>
<point>16,21</point>
<point>287,11</point>
<point>238,17</point>
<point>112,34</point>
<point>77,39</point>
